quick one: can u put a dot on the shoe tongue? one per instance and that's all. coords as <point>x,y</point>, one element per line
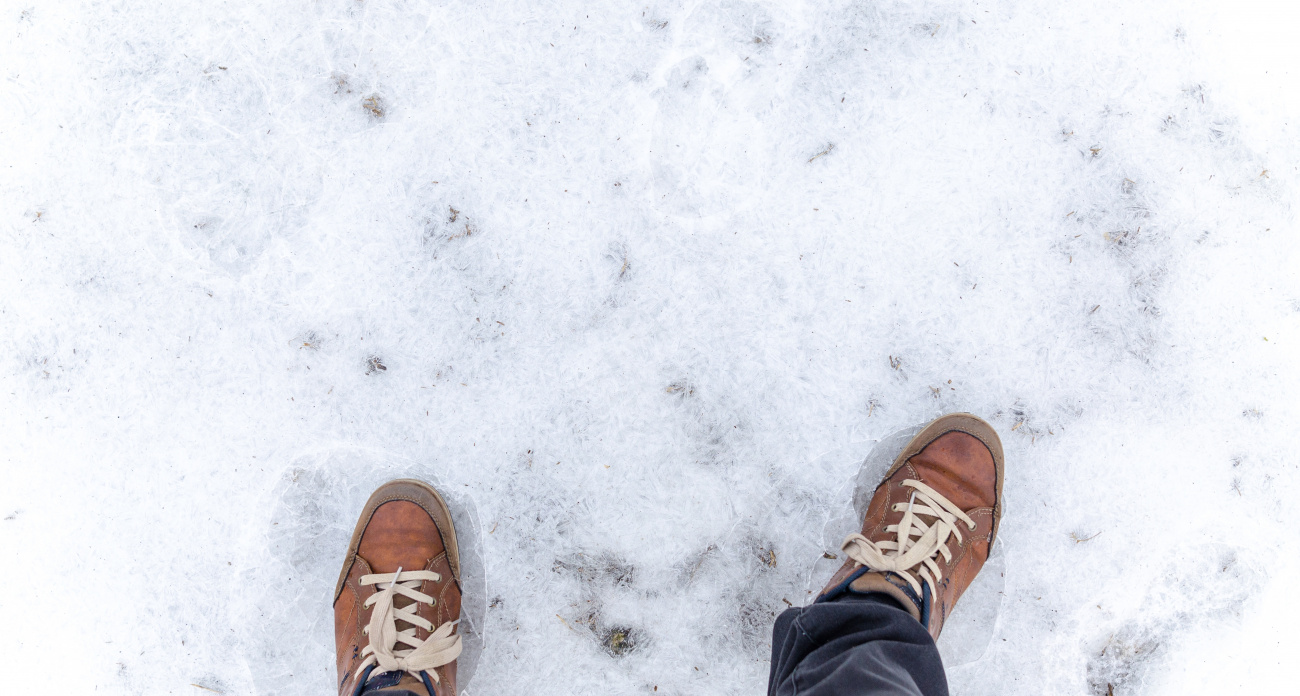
<point>395,684</point>
<point>400,679</point>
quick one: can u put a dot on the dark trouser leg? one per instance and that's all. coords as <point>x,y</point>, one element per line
<point>853,646</point>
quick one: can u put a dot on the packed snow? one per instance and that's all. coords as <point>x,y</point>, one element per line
<point>647,290</point>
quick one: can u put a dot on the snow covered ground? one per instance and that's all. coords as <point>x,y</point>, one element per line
<point>640,286</point>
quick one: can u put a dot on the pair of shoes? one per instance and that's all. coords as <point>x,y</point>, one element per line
<point>925,536</point>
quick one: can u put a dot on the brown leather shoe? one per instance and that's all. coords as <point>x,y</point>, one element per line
<point>395,632</point>
<point>942,501</point>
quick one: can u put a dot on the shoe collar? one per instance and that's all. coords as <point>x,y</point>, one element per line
<point>866,581</point>
<point>387,684</point>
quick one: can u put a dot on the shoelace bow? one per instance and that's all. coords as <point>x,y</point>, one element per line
<point>439,649</point>
<point>905,554</point>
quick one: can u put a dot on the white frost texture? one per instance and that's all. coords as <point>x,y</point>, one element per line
<point>640,286</point>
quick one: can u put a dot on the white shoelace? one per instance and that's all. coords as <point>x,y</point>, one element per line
<point>439,649</point>
<point>905,555</point>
